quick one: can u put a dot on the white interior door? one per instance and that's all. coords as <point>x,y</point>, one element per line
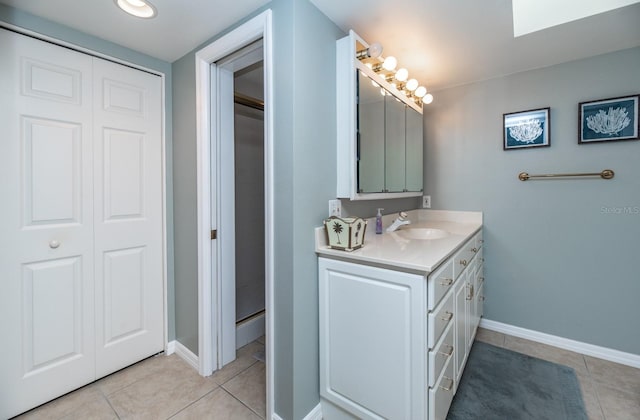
<point>46,222</point>
<point>81,267</point>
<point>128,251</point>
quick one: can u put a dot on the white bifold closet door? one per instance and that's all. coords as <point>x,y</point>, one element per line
<point>81,254</point>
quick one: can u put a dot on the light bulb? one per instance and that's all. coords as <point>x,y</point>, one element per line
<point>390,63</point>
<point>373,82</point>
<point>428,98</point>
<point>402,75</point>
<point>383,92</point>
<point>374,50</point>
<point>420,91</point>
<point>369,65</point>
<point>412,84</point>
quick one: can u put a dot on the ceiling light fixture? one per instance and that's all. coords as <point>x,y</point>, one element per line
<point>137,8</point>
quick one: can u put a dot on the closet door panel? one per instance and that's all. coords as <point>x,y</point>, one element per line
<point>46,222</point>
<point>128,215</point>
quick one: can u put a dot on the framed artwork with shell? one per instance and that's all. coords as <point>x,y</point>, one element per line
<point>525,129</point>
<point>611,119</point>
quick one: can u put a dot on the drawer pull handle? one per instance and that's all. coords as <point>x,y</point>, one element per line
<point>481,241</point>
<point>474,250</point>
<point>54,244</point>
<point>481,259</point>
<point>449,386</point>
<point>447,353</point>
<point>481,279</point>
<point>447,316</point>
<point>446,282</point>
<point>463,262</point>
<point>482,298</point>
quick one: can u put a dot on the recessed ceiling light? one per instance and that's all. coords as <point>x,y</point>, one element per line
<point>138,8</point>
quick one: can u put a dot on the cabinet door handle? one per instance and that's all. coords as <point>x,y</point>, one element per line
<point>481,279</point>
<point>449,386</point>
<point>463,262</point>
<point>471,292</point>
<point>447,316</point>
<point>447,353</point>
<point>446,282</point>
<point>474,250</point>
<point>481,298</point>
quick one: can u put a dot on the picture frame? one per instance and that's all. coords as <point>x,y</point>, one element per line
<point>526,129</point>
<point>611,119</point>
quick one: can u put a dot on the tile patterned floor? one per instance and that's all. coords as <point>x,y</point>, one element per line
<point>165,387</point>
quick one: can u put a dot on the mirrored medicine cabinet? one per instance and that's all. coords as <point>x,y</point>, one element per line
<point>380,142</point>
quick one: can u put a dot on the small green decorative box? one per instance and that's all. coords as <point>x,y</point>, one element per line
<point>346,234</point>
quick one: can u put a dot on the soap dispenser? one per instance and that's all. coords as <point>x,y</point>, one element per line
<point>379,221</point>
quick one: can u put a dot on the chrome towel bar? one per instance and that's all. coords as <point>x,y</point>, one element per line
<point>605,174</point>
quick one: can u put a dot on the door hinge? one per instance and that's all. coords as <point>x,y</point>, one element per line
<point>214,234</point>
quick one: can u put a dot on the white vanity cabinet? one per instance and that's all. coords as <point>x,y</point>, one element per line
<point>393,341</point>
<point>468,308</point>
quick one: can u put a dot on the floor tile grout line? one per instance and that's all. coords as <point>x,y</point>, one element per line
<point>239,373</point>
<point>193,402</point>
<point>241,402</point>
<point>594,388</point>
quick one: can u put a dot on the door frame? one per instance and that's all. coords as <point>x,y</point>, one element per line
<point>208,163</point>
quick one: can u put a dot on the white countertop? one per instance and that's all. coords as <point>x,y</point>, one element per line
<point>392,250</point>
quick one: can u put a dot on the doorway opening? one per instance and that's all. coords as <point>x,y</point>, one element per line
<point>217,219</point>
<point>241,199</point>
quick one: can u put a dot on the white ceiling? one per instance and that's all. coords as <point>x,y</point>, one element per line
<point>179,27</point>
<point>442,42</point>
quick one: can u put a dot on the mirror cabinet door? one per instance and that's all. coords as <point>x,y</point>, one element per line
<point>414,150</point>
<point>394,149</point>
<point>370,136</point>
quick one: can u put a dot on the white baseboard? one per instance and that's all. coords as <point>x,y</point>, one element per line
<point>315,414</point>
<point>182,352</point>
<point>250,330</point>
<point>605,353</point>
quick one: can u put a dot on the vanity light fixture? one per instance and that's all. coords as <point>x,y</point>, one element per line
<point>138,8</point>
<point>385,68</point>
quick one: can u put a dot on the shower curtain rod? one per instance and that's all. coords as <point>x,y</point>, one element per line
<point>245,100</point>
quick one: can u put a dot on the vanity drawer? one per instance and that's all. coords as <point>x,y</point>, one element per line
<point>441,395</point>
<point>439,283</point>
<point>439,319</point>
<point>439,356</point>
<point>479,240</point>
<point>463,257</point>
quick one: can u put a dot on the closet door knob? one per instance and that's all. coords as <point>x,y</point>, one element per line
<point>54,244</point>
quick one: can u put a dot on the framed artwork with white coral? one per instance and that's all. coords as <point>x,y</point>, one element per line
<point>526,129</point>
<point>610,119</point>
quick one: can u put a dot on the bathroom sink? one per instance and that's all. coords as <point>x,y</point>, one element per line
<point>423,233</point>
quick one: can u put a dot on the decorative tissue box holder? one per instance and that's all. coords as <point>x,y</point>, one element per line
<point>346,234</point>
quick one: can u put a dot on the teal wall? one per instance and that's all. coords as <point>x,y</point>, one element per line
<point>556,260</point>
<point>304,154</point>
<point>63,33</point>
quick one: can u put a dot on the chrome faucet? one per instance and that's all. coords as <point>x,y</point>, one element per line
<point>401,220</point>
